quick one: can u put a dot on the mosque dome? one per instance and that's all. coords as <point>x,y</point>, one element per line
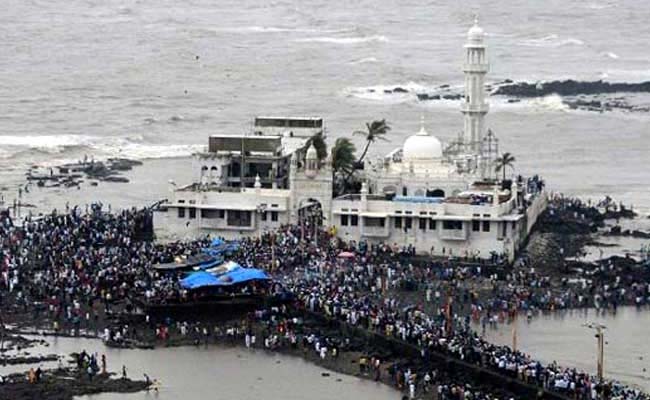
<point>422,146</point>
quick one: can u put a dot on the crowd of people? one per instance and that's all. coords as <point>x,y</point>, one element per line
<point>77,267</point>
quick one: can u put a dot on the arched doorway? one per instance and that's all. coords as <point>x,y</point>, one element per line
<point>436,193</point>
<point>310,219</point>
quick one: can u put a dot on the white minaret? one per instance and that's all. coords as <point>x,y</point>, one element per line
<point>474,106</point>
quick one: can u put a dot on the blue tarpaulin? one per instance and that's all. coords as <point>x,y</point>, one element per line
<point>199,279</point>
<point>216,242</point>
<point>240,275</point>
<point>237,275</point>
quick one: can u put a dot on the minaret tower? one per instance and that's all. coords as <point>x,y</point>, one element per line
<point>474,105</point>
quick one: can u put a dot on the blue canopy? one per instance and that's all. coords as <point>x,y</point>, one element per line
<point>199,279</point>
<point>216,242</point>
<point>240,275</point>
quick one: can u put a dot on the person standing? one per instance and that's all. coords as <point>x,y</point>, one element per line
<point>104,371</point>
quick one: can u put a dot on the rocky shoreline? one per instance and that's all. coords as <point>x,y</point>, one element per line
<point>65,384</point>
<point>576,95</point>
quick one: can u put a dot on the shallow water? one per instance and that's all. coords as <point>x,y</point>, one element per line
<point>215,372</point>
<point>561,337</point>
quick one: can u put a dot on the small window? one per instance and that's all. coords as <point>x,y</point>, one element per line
<point>264,216</point>
<point>398,222</point>
<point>181,201</point>
<point>192,213</point>
<point>452,225</point>
<point>476,226</point>
<point>486,226</point>
<point>222,214</point>
<point>408,223</point>
<point>423,224</point>
<point>404,191</point>
<point>181,212</point>
<point>354,220</point>
<point>432,224</point>
<point>344,220</point>
<point>274,216</point>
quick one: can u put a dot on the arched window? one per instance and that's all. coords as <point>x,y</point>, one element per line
<point>214,174</point>
<point>405,191</point>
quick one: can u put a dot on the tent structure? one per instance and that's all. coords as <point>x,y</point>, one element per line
<point>241,275</point>
<point>199,279</point>
<point>235,275</point>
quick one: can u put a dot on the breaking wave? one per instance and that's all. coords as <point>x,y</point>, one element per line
<point>65,147</point>
<point>611,55</point>
<point>344,40</point>
<point>365,60</point>
<point>271,29</point>
<point>386,93</point>
<point>552,41</point>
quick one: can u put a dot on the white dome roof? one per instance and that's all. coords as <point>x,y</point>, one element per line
<point>475,33</point>
<point>422,146</point>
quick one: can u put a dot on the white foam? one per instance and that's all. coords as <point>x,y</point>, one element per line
<point>271,29</point>
<point>344,40</point>
<point>552,40</point>
<point>98,147</point>
<point>148,151</point>
<point>365,60</point>
<point>45,141</point>
<point>611,55</point>
<point>378,93</point>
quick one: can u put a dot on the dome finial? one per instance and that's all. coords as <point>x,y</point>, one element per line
<point>476,19</point>
<point>422,131</point>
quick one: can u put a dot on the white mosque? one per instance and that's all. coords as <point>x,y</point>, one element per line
<point>442,199</point>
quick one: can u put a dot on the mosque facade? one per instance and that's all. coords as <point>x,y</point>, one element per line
<point>443,199</point>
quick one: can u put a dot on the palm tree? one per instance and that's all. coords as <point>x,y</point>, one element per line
<point>375,130</point>
<point>343,156</point>
<point>506,160</point>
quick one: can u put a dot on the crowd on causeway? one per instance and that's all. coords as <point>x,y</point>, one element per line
<point>76,267</point>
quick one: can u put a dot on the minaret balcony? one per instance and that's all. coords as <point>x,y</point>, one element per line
<point>478,68</point>
<point>476,108</point>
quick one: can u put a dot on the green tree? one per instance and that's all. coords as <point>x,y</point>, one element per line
<point>506,160</point>
<point>375,130</point>
<point>343,156</point>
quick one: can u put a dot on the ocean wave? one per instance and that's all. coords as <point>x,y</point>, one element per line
<point>45,141</point>
<point>57,148</point>
<point>365,60</point>
<point>344,40</point>
<point>271,29</point>
<point>552,41</point>
<point>611,55</point>
<point>386,93</point>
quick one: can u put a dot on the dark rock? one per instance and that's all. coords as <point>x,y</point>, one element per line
<point>400,90</point>
<point>570,88</point>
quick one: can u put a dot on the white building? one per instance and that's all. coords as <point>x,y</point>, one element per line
<point>442,199</point>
